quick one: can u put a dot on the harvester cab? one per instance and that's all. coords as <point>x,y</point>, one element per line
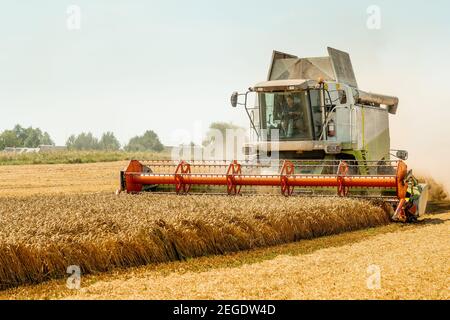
<point>311,108</point>
<point>328,136</point>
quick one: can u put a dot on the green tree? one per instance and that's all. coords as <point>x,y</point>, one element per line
<point>21,133</point>
<point>8,138</point>
<point>84,141</point>
<point>109,142</point>
<point>24,137</point>
<point>149,141</point>
<point>32,137</point>
<point>47,140</point>
<point>70,143</point>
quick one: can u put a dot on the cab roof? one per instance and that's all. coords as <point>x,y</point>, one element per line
<point>285,85</point>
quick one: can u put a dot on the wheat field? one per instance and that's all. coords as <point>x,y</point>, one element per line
<point>51,217</point>
<point>40,236</point>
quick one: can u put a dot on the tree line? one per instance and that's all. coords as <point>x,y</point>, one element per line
<point>149,141</point>
<point>24,138</point>
<point>20,137</point>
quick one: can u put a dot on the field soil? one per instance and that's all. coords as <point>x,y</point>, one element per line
<point>24,180</point>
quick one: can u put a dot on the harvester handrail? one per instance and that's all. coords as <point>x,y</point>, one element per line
<point>149,174</point>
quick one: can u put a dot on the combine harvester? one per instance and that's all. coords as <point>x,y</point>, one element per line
<point>330,138</point>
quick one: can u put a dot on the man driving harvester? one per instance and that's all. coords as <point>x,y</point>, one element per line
<point>291,118</point>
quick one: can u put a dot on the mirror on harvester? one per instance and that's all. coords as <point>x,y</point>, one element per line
<point>234,99</point>
<point>402,154</point>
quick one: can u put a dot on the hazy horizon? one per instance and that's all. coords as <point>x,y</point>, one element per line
<point>169,66</point>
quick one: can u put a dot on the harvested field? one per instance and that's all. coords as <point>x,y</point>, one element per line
<point>418,272</point>
<point>40,236</point>
<point>24,180</point>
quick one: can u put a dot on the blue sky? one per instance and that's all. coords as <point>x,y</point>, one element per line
<point>166,65</point>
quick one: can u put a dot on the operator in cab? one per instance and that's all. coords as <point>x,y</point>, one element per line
<point>292,118</point>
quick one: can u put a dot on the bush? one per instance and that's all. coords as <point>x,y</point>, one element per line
<point>73,156</point>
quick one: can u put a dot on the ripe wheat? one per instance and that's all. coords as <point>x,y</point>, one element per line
<point>40,236</point>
